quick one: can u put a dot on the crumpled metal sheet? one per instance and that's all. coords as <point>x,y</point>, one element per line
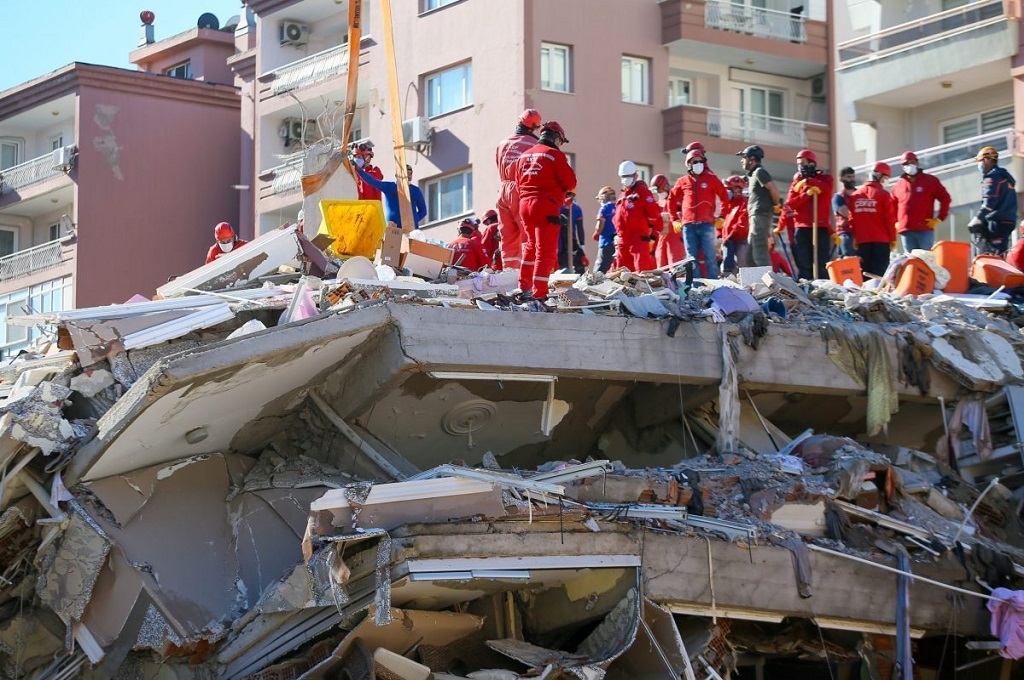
<point>66,584</point>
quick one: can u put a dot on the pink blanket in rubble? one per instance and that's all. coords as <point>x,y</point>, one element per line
<point>1008,621</point>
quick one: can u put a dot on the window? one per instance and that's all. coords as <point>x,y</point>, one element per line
<point>49,296</point>
<point>429,5</point>
<point>449,196</point>
<point>8,241</point>
<point>972,126</point>
<point>54,232</point>
<point>10,153</point>
<point>678,91</point>
<point>183,70</point>
<point>450,90</point>
<point>555,67</point>
<point>636,78</point>
<point>646,172</point>
<point>766,107</point>
<point>56,142</point>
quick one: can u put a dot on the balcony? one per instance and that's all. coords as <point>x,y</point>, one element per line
<point>19,177</point>
<point>36,259</point>
<point>731,34</point>
<point>755,21</point>
<point>778,136</point>
<point>282,179</point>
<point>965,42</point>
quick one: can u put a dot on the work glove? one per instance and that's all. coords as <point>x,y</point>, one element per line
<point>799,186</point>
<point>358,161</point>
<point>835,239</point>
<point>777,209</point>
<point>892,246</point>
<point>677,227</point>
<point>718,223</point>
<point>976,226</point>
<point>778,230</point>
<point>896,226</point>
<point>595,236</point>
<point>813,190</point>
<point>933,222</point>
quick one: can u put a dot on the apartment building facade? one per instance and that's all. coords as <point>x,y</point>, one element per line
<point>112,179</point>
<point>939,77</point>
<point>633,79</point>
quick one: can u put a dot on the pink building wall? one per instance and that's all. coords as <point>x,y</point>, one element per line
<point>157,158</point>
<point>207,50</point>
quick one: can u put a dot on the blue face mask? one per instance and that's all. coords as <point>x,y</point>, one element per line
<point>981,167</point>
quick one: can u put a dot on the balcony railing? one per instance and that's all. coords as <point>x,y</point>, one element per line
<point>960,154</point>
<point>914,33</point>
<point>756,21</point>
<point>314,69</point>
<point>30,260</point>
<point>757,129</point>
<point>20,176</point>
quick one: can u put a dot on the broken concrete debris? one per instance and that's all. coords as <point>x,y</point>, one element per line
<point>275,475</point>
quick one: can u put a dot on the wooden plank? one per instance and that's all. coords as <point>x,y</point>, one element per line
<point>395,109</point>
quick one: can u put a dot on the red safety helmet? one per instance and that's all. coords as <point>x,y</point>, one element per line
<point>552,126</point>
<point>882,169</point>
<point>222,231</point>
<point>908,157</point>
<point>808,154</point>
<point>695,146</point>
<point>660,182</point>
<point>490,216</point>
<point>530,119</point>
<point>735,182</point>
<point>694,155</point>
<point>364,149</point>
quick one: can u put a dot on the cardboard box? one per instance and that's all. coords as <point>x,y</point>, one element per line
<point>424,259</point>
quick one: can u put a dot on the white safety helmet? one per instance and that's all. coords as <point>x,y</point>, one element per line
<point>627,168</point>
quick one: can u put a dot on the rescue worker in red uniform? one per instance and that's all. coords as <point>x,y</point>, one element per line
<point>509,214</point>
<point>366,192</point>
<point>489,238</point>
<point>467,252</point>
<point>694,201</point>
<point>669,246</point>
<point>810,187</point>
<point>735,225</point>
<point>542,177</point>
<point>916,194</point>
<point>1015,256</point>
<point>227,241</point>
<point>637,220</point>
<point>873,220</point>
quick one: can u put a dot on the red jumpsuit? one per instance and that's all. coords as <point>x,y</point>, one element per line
<point>509,217</point>
<point>489,240</point>
<point>1015,256</point>
<point>365,191</point>
<point>214,252</point>
<point>637,216</point>
<point>542,176</point>
<point>669,247</point>
<point>468,253</point>
<point>916,197</point>
<point>872,214</point>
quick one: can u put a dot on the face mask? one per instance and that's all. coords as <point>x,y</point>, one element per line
<point>697,168</point>
<point>626,182</point>
<point>910,169</point>
<point>226,247</point>
<point>805,170</point>
<point>849,185</point>
<point>981,167</point>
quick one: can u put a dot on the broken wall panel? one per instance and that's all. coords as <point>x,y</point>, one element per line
<point>72,567</point>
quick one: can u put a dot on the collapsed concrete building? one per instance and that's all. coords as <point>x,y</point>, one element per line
<point>275,475</point>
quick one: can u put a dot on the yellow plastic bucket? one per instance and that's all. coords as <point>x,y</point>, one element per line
<point>357,227</point>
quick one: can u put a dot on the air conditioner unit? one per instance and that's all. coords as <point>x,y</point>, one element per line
<point>293,131</point>
<point>818,87</point>
<point>63,158</point>
<point>294,33</point>
<point>416,131</point>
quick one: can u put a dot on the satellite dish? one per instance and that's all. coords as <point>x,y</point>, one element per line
<point>357,267</point>
<point>231,24</point>
<point>208,20</point>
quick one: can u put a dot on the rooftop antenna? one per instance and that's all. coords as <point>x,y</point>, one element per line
<point>208,20</point>
<point>146,31</point>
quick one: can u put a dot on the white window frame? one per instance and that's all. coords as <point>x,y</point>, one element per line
<point>15,245</point>
<point>636,87</point>
<point>19,150</point>
<point>56,142</point>
<point>645,172</point>
<point>547,82</point>
<point>675,83</point>
<point>187,70</point>
<point>427,6</point>
<point>761,121</point>
<point>976,117</point>
<point>54,232</point>
<point>431,194</point>
<point>434,94</point>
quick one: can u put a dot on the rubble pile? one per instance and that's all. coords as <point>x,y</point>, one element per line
<point>275,475</point>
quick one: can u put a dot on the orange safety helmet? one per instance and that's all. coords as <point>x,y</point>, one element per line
<point>552,126</point>
<point>882,169</point>
<point>222,231</point>
<point>605,191</point>
<point>908,157</point>
<point>987,152</point>
<point>660,182</point>
<point>808,154</point>
<point>531,119</point>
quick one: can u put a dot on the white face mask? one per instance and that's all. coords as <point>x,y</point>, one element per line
<point>697,168</point>
<point>910,169</point>
<point>226,247</point>
<point>626,182</point>
<point>981,167</point>
<point>663,195</point>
